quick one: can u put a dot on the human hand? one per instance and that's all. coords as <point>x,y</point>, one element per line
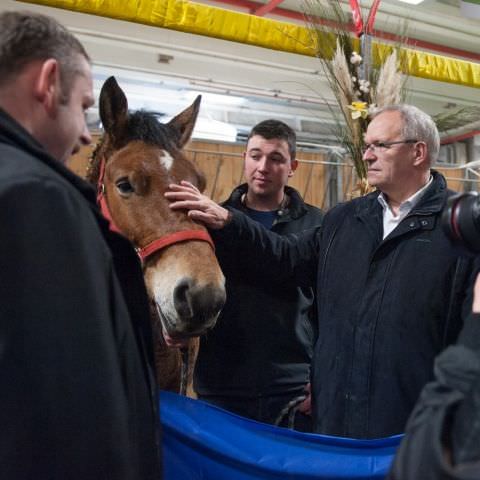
<point>306,406</point>
<point>200,207</point>
<point>476,295</point>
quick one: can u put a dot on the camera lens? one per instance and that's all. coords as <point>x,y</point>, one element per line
<point>461,220</point>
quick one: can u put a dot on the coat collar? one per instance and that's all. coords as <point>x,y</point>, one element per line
<point>431,202</point>
<point>295,206</point>
<point>423,216</point>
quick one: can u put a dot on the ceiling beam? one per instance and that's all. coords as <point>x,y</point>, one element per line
<point>268,7</point>
<point>253,6</point>
<point>459,138</point>
<point>411,42</point>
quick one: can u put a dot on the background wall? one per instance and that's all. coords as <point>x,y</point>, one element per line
<point>323,178</point>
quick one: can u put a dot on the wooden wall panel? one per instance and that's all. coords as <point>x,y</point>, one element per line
<point>349,181</point>
<point>454,178</point>
<point>222,165</point>
<point>459,180</point>
<point>310,177</point>
<point>78,163</point>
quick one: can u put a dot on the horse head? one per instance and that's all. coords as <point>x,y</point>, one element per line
<point>141,158</point>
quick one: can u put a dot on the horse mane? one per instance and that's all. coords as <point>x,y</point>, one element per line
<point>142,125</point>
<point>93,166</point>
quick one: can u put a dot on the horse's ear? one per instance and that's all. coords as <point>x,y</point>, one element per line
<point>113,106</point>
<point>184,122</point>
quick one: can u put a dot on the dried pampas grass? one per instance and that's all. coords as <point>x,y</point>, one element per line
<point>343,88</point>
<point>357,86</point>
<point>389,85</point>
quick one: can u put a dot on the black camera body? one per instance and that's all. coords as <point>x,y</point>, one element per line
<point>461,220</point>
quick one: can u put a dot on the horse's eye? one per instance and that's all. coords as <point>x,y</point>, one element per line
<point>124,186</point>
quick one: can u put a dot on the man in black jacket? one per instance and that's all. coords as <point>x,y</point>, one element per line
<point>257,358</point>
<point>77,396</point>
<point>391,291</point>
<point>443,433</point>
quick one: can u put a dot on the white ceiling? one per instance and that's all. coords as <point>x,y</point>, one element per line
<point>252,83</point>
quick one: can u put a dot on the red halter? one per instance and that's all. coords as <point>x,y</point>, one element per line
<point>159,243</point>
<point>172,238</point>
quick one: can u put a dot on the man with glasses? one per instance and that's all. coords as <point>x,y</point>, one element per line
<point>391,290</point>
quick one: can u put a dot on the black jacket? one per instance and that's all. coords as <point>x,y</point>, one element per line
<point>386,308</point>
<point>447,417</point>
<point>263,341</point>
<point>77,396</point>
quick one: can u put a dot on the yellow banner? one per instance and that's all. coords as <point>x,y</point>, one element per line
<point>190,17</point>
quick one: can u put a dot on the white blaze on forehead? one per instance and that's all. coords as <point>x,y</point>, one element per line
<point>166,160</point>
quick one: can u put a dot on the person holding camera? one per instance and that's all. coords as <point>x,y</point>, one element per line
<point>391,290</point>
<point>443,433</point>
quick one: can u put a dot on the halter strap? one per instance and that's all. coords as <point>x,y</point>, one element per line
<point>176,237</point>
<point>101,199</point>
<point>159,243</point>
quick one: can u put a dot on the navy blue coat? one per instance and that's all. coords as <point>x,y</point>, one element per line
<point>386,308</point>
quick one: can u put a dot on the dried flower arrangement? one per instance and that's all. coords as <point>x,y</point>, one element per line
<point>358,86</point>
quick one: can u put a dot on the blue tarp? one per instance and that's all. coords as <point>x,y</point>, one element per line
<point>202,442</point>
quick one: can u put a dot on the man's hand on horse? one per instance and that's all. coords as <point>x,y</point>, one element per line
<point>200,207</point>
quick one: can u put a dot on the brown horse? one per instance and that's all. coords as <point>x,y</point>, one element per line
<point>136,160</point>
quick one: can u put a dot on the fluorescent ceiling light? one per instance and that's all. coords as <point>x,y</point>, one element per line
<point>214,98</point>
<point>411,2</point>
<point>207,129</point>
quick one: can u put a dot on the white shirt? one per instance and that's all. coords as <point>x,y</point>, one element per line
<point>390,221</point>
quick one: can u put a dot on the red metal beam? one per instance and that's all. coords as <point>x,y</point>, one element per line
<point>459,138</point>
<point>412,42</point>
<point>246,4</point>
<point>268,7</point>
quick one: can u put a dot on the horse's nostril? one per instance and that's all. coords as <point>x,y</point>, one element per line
<point>208,300</point>
<point>181,298</point>
<point>202,302</point>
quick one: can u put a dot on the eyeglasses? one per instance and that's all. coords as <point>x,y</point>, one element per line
<point>382,146</point>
